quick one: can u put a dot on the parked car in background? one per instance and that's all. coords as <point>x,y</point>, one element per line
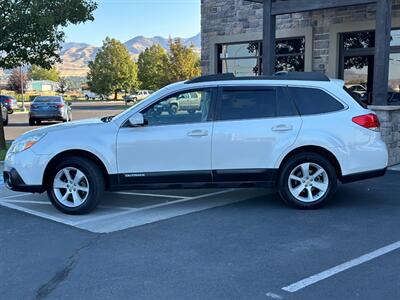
<point>9,102</point>
<point>300,133</point>
<point>4,114</point>
<point>93,96</point>
<point>139,96</point>
<point>49,108</point>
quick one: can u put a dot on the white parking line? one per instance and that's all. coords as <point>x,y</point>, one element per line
<point>153,206</point>
<point>37,213</point>
<point>151,195</point>
<point>340,268</point>
<point>16,196</point>
<point>25,201</point>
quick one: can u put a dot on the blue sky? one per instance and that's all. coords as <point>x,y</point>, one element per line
<point>125,19</point>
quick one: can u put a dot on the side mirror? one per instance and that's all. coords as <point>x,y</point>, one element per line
<point>136,120</point>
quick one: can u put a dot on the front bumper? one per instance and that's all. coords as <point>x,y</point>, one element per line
<point>14,182</point>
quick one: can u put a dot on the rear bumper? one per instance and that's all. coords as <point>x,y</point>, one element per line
<point>46,116</point>
<point>14,182</point>
<point>363,175</point>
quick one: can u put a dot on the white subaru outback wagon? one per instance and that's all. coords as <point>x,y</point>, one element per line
<point>299,132</point>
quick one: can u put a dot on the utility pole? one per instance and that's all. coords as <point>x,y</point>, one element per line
<point>22,88</point>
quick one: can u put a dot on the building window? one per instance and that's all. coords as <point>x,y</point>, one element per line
<point>358,57</point>
<point>245,59</point>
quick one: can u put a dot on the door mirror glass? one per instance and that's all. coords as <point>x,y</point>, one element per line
<point>136,120</point>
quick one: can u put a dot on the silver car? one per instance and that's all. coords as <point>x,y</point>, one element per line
<point>49,108</point>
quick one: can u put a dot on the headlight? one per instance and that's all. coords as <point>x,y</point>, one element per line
<point>25,143</point>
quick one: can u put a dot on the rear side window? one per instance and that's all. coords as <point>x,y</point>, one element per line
<point>237,104</point>
<point>310,101</point>
<point>355,97</point>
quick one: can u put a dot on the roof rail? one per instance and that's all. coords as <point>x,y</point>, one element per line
<point>306,76</point>
<point>214,77</point>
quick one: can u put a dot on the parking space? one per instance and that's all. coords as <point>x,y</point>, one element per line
<point>206,244</point>
<point>122,210</point>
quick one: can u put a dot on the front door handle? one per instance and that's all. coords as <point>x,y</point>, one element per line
<point>197,133</point>
<point>282,127</point>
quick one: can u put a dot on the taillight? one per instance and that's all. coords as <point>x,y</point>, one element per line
<point>60,105</point>
<point>369,121</point>
<point>8,100</point>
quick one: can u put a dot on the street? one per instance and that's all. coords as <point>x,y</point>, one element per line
<point>18,123</point>
<point>204,244</point>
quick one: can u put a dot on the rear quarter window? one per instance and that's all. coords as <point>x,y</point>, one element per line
<point>313,101</point>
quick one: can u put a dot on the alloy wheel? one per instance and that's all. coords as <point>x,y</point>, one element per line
<point>308,182</point>
<point>71,187</point>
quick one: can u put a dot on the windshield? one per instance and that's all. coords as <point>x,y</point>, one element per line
<point>47,99</point>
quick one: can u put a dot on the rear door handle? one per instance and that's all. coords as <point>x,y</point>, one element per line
<point>282,127</point>
<point>197,133</point>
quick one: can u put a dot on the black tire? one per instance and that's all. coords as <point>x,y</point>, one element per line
<point>291,165</point>
<point>32,122</point>
<point>173,109</point>
<point>11,111</point>
<point>96,185</point>
<point>5,122</point>
<point>87,98</point>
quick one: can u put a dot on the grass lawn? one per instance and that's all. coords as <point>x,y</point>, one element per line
<point>3,153</point>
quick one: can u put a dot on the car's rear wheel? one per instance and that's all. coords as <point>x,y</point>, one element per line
<point>75,186</point>
<point>307,180</point>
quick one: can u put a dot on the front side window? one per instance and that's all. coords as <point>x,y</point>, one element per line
<point>181,108</point>
<point>247,104</point>
<point>311,101</point>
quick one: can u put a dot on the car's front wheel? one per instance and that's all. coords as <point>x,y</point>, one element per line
<point>75,186</point>
<point>307,180</point>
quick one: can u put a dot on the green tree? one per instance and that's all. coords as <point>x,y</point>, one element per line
<point>182,63</point>
<point>112,70</point>
<point>39,73</point>
<point>31,32</point>
<point>151,68</point>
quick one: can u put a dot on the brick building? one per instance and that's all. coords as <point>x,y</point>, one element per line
<point>339,41</point>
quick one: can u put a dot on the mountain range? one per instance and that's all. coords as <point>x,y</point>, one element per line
<point>76,56</point>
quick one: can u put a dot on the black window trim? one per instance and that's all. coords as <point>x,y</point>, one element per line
<point>210,117</point>
<point>221,89</point>
<point>290,95</point>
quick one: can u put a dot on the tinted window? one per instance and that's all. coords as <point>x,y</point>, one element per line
<point>47,99</point>
<point>355,96</point>
<point>311,101</point>
<point>247,104</point>
<point>186,107</point>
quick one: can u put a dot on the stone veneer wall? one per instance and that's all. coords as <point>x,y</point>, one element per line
<point>389,117</point>
<point>231,17</point>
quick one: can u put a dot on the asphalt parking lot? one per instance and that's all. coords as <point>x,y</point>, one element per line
<point>205,244</point>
